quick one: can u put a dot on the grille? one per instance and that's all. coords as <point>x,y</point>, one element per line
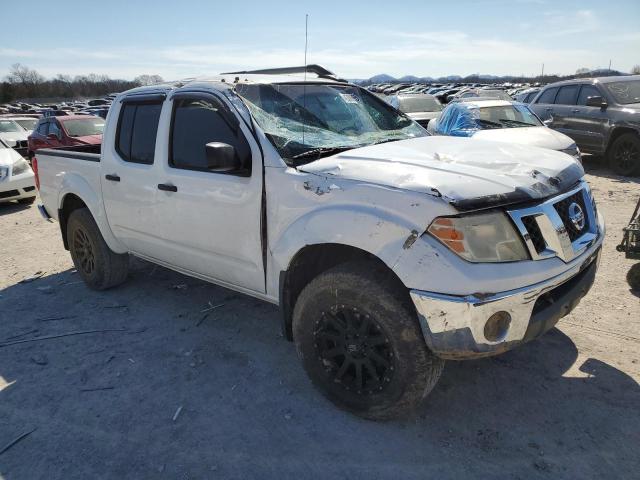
<point>29,189</point>
<point>22,144</point>
<point>534,233</point>
<point>562,207</point>
<point>9,193</point>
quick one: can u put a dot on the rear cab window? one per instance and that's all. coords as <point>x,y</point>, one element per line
<point>137,131</point>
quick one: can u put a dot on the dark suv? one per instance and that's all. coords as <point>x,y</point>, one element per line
<point>602,115</point>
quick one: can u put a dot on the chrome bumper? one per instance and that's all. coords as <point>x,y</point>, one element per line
<point>454,326</point>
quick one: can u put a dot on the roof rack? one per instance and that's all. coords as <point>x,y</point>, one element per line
<point>321,72</point>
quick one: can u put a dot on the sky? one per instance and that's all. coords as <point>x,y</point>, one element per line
<point>186,38</point>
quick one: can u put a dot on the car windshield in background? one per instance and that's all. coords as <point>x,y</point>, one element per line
<point>507,116</point>
<point>27,123</point>
<point>7,126</point>
<point>624,92</point>
<point>84,126</point>
<point>306,122</point>
<point>419,104</point>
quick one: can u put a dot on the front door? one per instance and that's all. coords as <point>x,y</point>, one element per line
<point>211,221</point>
<point>588,123</point>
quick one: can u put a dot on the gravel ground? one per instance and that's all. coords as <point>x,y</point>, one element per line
<point>172,393</point>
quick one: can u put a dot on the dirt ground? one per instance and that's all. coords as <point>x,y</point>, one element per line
<point>170,393</point>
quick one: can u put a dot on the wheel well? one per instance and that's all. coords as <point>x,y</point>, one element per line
<point>313,260</point>
<point>617,132</point>
<point>70,203</point>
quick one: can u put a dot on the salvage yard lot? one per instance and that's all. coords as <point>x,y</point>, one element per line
<point>195,381</point>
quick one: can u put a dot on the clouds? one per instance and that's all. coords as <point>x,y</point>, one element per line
<point>564,42</point>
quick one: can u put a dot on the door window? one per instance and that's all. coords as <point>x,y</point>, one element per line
<point>567,95</point>
<point>196,122</point>
<point>137,131</point>
<point>586,92</point>
<point>548,95</point>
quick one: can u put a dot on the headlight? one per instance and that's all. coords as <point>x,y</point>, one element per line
<point>20,166</point>
<point>485,237</point>
<point>574,151</point>
<point>4,172</point>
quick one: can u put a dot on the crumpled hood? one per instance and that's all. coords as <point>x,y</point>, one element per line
<point>467,172</point>
<point>537,136</point>
<point>8,156</point>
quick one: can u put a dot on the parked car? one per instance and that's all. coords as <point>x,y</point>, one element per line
<point>55,132</point>
<point>14,135</point>
<point>387,249</point>
<point>16,177</point>
<point>419,107</point>
<point>482,93</point>
<point>526,96</point>
<point>602,115</point>
<point>501,121</point>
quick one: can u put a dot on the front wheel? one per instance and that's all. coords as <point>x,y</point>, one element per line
<point>361,344</point>
<point>96,263</point>
<point>624,154</point>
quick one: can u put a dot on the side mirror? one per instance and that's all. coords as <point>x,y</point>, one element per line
<point>596,101</point>
<point>548,121</point>
<point>222,158</point>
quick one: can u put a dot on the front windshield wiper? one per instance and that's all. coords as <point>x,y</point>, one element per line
<point>322,152</point>
<point>489,123</point>
<point>517,122</point>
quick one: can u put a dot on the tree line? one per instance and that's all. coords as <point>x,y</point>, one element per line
<point>25,84</point>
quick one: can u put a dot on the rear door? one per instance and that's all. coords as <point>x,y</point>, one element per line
<point>211,222</point>
<point>129,174</point>
<point>588,124</point>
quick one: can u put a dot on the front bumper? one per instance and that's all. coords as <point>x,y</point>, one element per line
<point>17,187</point>
<point>454,326</point>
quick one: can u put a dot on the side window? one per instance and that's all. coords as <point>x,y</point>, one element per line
<point>54,128</point>
<point>548,95</point>
<point>567,95</point>
<point>137,131</point>
<point>197,122</point>
<point>42,128</point>
<point>587,91</point>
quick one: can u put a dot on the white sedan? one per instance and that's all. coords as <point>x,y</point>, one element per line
<point>16,177</point>
<point>500,121</point>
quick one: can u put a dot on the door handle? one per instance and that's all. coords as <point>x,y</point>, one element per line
<point>575,110</point>
<point>549,109</point>
<point>113,178</point>
<point>167,188</point>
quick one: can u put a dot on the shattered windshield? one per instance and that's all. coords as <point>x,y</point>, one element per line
<point>305,122</point>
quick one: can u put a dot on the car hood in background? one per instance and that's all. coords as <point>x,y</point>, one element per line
<point>8,156</point>
<point>537,136</point>
<point>14,136</point>
<point>466,172</point>
<point>423,115</point>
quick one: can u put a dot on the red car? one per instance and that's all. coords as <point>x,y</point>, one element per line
<point>66,131</point>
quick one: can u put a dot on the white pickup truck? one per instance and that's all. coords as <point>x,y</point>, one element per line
<point>387,250</point>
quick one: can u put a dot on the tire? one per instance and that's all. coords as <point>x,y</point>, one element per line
<point>624,154</point>
<point>98,266</point>
<point>27,201</point>
<point>354,318</point>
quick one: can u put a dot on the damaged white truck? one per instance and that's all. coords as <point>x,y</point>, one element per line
<point>387,250</point>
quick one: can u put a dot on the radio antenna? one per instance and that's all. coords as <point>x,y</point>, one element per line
<point>304,87</point>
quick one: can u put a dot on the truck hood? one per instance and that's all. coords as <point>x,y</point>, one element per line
<point>14,136</point>
<point>537,136</point>
<point>467,172</point>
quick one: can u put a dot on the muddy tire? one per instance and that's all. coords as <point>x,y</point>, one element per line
<point>98,266</point>
<point>27,201</point>
<point>360,342</point>
<point>624,154</point>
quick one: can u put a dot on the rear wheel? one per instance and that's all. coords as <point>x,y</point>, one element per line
<point>96,263</point>
<point>361,344</point>
<point>624,154</point>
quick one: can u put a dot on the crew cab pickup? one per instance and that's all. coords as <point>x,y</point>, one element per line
<point>387,250</point>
